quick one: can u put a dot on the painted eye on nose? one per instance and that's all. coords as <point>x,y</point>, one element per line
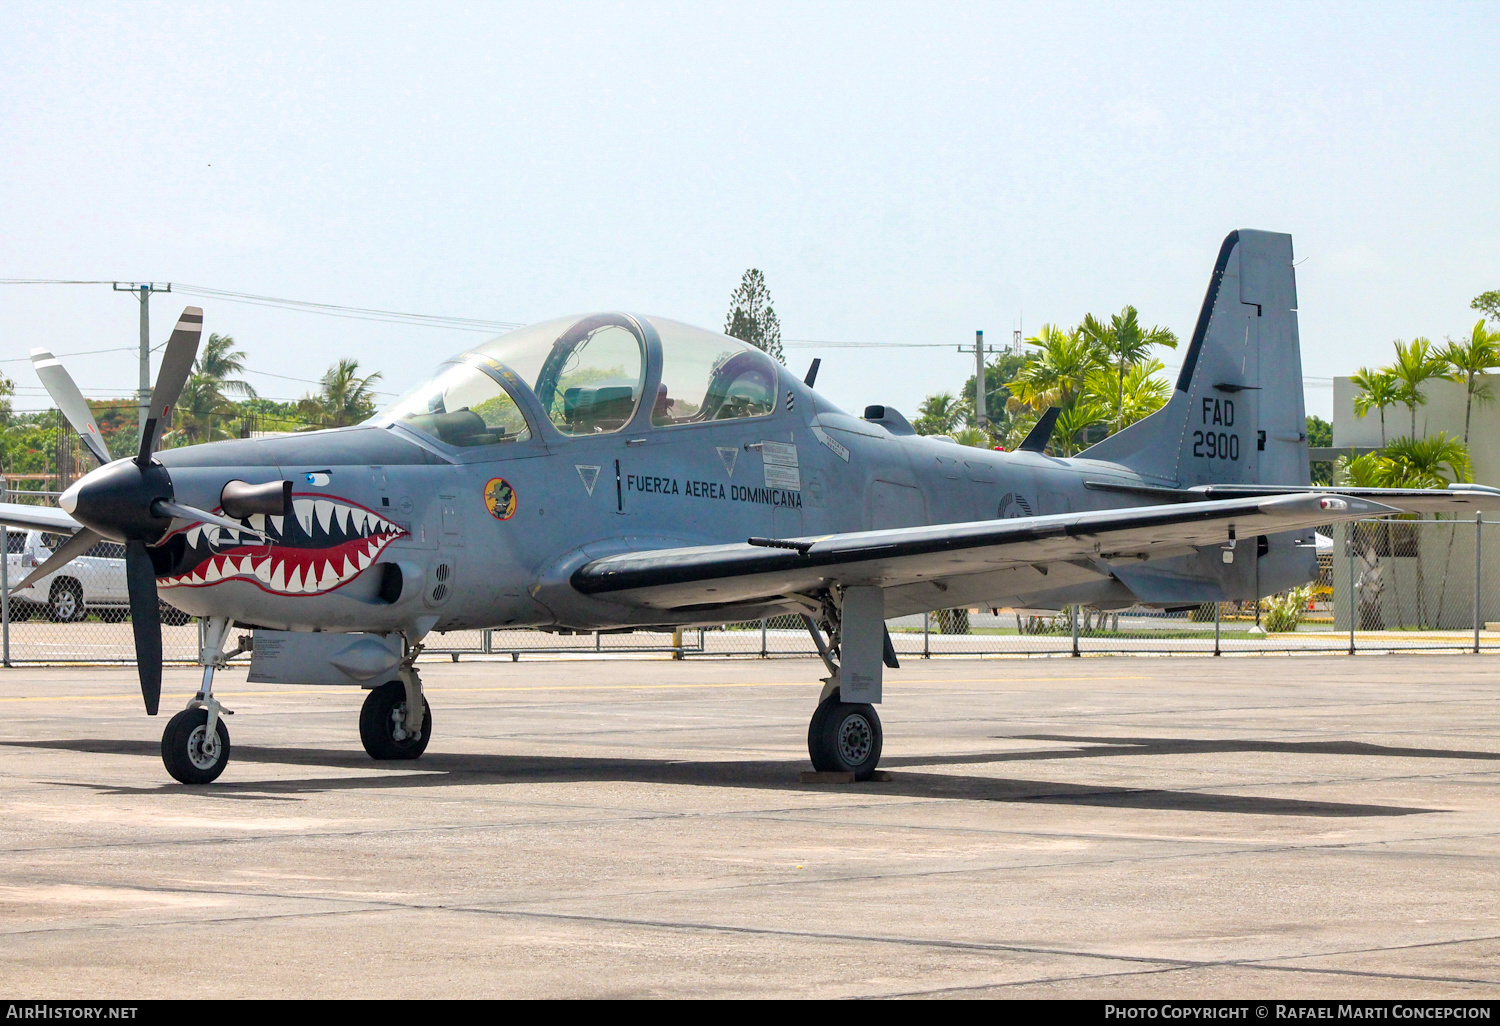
<point>319,478</point>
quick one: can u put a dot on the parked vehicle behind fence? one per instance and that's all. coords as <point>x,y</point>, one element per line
<point>92,583</point>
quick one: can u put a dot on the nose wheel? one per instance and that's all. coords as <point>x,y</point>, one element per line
<point>844,737</point>
<point>194,752</point>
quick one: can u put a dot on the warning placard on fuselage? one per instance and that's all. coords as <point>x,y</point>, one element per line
<point>780,462</point>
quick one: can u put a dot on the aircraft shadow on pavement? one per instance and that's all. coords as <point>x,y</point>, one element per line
<point>447,770</point>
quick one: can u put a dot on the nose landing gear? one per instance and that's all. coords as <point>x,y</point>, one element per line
<point>195,745</point>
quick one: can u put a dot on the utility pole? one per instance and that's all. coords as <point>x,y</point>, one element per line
<point>143,291</point>
<point>980,414</point>
<point>979,389</point>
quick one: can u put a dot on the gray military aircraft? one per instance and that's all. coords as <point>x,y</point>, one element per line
<point>615,471</point>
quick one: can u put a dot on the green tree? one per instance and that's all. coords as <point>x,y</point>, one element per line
<point>1139,395</point>
<point>203,399</point>
<point>1417,362</point>
<point>1056,373</point>
<point>999,375</point>
<point>1071,433</point>
<point>752,318</point>
<point>1319,432</point>
<point>1123,342</point>
<point>1421,462</point>
<point>344,397</point>
<point>939,414</point>
<point>1320,436</point>
<point>1471,358</point>
<point>1378,389</point>
<point>1489,302</point>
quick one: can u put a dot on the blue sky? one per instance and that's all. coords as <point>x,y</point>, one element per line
<point>902,173</point>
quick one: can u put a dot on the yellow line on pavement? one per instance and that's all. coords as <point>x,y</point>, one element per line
<point>329,688</point>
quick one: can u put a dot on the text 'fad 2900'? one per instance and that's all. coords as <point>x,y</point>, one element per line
<point>1217,445</point>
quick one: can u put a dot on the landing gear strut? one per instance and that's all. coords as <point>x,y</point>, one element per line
<point>195,745</point>
<point>845,737</point>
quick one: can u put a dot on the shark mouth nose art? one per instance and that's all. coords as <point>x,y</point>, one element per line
<point>323,545</point>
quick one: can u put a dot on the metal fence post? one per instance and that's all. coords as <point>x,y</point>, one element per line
<point>1478,576</point>
<point>5,590</point>
<point>1073,616</point>
<point>1353,598</point>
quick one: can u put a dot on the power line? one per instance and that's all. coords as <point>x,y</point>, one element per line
<point>352,312</point>
<point>304,306</point>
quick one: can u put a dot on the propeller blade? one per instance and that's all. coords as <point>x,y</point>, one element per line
<point>64,392</point>
<point>145,620</point>
<point>176,365</point>
<point>167,508</point>
<point>65,553</point>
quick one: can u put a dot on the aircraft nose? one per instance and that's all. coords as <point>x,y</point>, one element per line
<point>116,499</point>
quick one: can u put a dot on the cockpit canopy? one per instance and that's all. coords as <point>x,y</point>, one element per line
<point>587,376</point>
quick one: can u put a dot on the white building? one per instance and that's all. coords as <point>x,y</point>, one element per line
<point>1443,411</point>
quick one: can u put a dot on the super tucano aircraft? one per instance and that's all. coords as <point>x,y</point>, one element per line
<point>617,471</point>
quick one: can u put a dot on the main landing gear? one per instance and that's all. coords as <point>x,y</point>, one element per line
<point>396,721</point>
<point>195,745</point>
<point>845,736</point>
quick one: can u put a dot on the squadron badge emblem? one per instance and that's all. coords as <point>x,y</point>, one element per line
<point>500,498</point>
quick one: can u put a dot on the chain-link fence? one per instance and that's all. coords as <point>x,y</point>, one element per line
<point>1383,586</point>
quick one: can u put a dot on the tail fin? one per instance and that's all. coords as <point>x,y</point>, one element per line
<point>1236,415</point>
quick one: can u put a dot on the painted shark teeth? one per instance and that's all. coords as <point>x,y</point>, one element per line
<point>324,544</point>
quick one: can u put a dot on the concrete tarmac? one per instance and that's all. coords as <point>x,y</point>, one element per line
<point>1104,827</point>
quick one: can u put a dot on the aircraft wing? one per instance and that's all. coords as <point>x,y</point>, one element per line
<point>26,517</point>
<point>1455,499</point>
<point>720,574</point>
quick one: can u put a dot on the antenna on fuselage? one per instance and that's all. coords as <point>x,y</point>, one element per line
<point>1038,437</point>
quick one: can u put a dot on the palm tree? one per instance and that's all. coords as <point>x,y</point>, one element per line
<point>939,414</point>
<point>1420,462</point>
<point>1124,342</point>
<point>345,397</point>
<point>1473,357</point>
<point>1074,420</point>
<point>1055,373</point>
<point>1417,362</point>
<point>1141,394</point>
<point>1378,389</point>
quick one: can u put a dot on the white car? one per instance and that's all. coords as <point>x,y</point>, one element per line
<point>92,583</point>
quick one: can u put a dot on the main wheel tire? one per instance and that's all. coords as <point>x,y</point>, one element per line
<point>382,724</point>
<point>845,737</point>
<point>65,604</point>
<point>183,751</point>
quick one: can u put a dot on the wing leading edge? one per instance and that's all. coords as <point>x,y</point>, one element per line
<point>680,578</point>
<point>36,518</point>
